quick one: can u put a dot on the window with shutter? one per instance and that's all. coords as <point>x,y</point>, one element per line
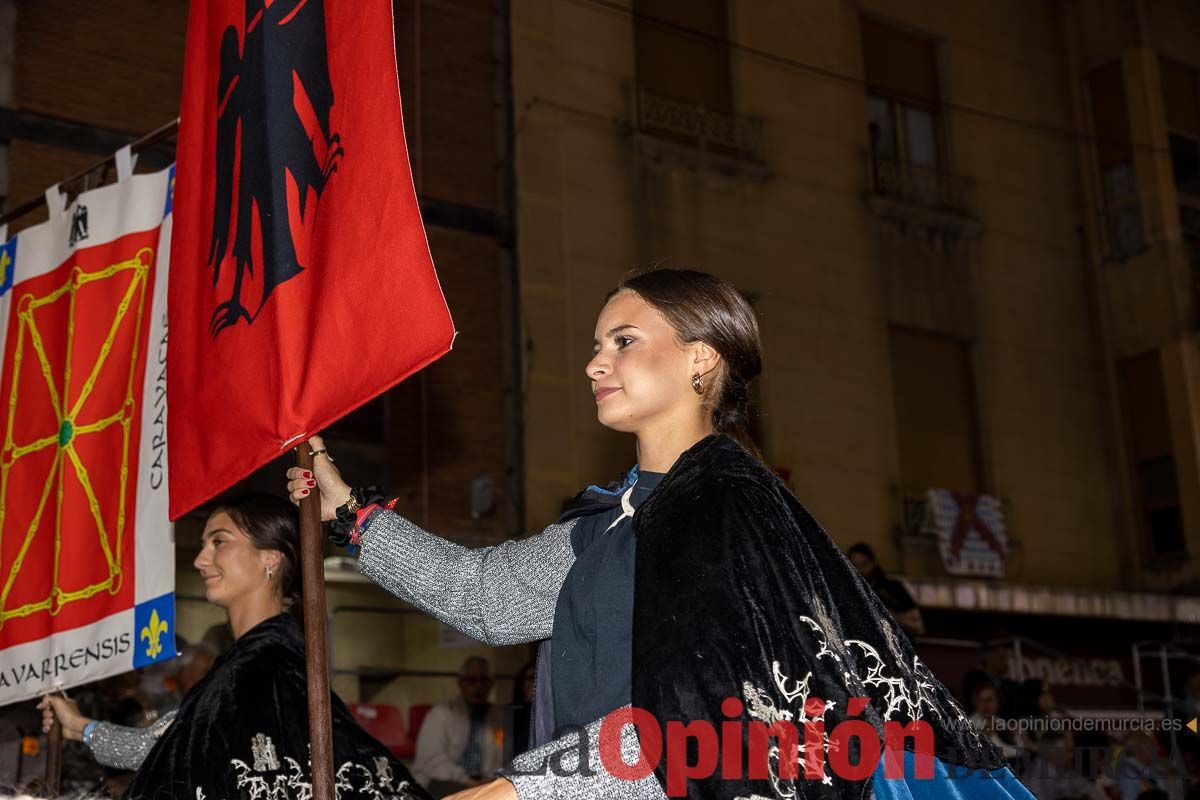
<point>1144,402</point>
<point>682,53</point>
<point>685,87</point>
<point>902,94</point>
<point>1114,159</point>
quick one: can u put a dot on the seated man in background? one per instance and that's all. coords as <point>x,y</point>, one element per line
<point>460,743</point>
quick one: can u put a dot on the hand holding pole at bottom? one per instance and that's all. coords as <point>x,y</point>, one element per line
<point>499,789</point>
<point>59,708</point>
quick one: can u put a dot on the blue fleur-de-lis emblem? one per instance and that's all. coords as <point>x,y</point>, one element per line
<point>152,634</point>
<point>6,267</point>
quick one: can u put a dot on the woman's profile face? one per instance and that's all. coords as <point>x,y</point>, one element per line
<point>229,564</point>
<point>639,372</point>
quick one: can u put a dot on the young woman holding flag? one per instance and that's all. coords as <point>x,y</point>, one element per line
<point>696,589</point>
<point>242,730</point>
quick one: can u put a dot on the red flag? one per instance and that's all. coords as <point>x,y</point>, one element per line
<point>302,283</point>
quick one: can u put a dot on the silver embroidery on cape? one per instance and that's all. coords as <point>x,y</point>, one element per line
<point>904,694</point>
<point>761,706</point>
<point>267,781</point>
<point>264,753</point>
<point>383,769</point>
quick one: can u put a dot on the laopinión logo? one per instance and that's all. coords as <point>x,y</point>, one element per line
<point>779,751</point>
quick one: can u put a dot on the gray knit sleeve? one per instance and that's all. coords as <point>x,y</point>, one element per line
<point>503,594</point>
<point>120,747</point>
<point>553,771</point>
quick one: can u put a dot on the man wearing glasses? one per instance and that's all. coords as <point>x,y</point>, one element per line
<point>461,740</point>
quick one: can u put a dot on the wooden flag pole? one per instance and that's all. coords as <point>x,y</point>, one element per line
<point>54,748</point>
<point>316,651</point>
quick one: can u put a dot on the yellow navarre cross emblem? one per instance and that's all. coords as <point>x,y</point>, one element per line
<point>153,634</point>
<point>68,441</point>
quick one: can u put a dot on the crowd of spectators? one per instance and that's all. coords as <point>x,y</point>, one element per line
<point>1059,759</point>
<point>1055,757</point>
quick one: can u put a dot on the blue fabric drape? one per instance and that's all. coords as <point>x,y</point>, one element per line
<point>998,784</point>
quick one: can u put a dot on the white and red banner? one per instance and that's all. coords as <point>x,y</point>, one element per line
<point>970,531</point>
<point>87,558</point>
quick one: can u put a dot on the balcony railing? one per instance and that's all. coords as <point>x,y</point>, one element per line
<point>926,188</point>
<point>725,135</point>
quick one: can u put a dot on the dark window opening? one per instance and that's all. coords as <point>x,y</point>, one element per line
<point>1144,401</point>
<point>1185,163</point>
<point>1122,210</point>
<point>682,52</point>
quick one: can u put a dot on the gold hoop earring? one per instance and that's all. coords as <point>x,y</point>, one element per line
<point>697,383</point>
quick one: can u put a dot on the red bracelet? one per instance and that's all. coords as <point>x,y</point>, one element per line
<point>362,514</point>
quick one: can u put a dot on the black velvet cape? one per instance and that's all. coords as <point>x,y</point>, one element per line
<point>740,593</point>
<point>242,732</point>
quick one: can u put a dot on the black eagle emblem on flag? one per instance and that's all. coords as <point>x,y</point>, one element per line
<point>275,152</point>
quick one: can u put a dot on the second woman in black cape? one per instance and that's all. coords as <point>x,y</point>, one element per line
<point>242,731</point>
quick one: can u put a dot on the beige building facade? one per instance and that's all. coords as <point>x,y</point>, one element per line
<point>969,231</point>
